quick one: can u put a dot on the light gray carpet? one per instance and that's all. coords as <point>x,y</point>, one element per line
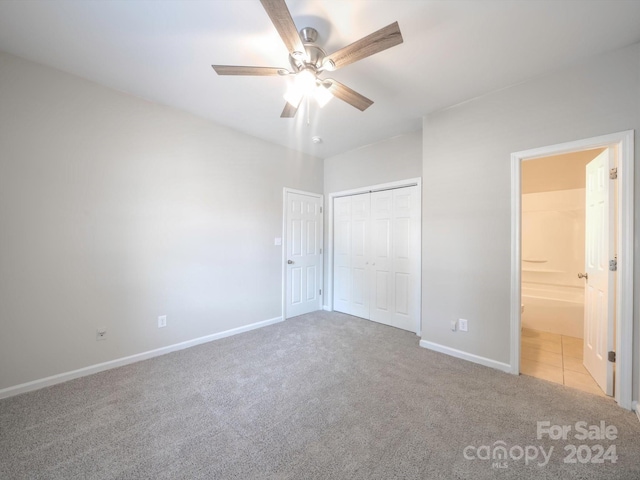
<point>322,396</point>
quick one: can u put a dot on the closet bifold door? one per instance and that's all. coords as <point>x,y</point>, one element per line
<point>395,264</point>
<point>381,271</point>
<point>351,255</point>
<point>377,256</point>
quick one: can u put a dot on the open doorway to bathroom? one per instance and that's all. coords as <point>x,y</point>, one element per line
<point>608,338</point>
<point>553,221</point>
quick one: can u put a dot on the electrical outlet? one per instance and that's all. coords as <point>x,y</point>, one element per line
<point>162,321</point>
<point>454,325</point>
<point>464,326</point>
<point>101,334</point>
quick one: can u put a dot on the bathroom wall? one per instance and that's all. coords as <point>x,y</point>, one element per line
<point>553,226</point>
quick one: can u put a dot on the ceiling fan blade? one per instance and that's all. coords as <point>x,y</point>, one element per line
<point>348,95</point>
<point>289,110</point>
<point>281,19</point>
<point>243,70</point>
<point>378,41</point>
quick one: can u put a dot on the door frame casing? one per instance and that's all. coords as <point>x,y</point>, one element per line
<point>285,192</point>
<point>623,145</point>
<point>410,182</point>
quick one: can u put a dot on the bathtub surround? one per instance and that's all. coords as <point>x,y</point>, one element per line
<point>553,309</point>
<point>552,255</point>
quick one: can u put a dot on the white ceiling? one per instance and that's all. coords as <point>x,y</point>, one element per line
<point>452,51</point>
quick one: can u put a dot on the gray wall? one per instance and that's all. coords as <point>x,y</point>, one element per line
<point>115,210</point>
<point>396,158</point>
<point>466,195</point>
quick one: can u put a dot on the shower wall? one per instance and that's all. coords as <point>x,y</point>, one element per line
<point>552,255</point>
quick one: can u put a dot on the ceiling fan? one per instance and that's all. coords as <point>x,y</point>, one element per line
<point>308,60</point>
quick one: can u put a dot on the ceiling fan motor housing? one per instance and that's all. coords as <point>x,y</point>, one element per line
<point>309,35</point>
<point>315,54</point>
<point>308,60</point>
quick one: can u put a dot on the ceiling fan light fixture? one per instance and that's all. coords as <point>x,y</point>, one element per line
<point>322,95</point>
<point>307,60</point>
<point>304,84</point>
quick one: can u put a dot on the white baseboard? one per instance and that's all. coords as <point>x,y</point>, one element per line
<point>635,406</point>
<point>487,362</point>
<point>119,362</point>
<point>327,308</point>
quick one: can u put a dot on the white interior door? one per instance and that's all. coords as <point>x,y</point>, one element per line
<point>599,285</point>
<point>382,252</point>
<point>351,251</point>
<point>360,247</point>
<point>303,254</point>
<point>395,253</point>
<point>342,254</point>
<point>406,258</point>
<point>377,256</point>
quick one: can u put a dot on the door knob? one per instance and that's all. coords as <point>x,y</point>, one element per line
<point>583,275</point>
<point>290,262</point>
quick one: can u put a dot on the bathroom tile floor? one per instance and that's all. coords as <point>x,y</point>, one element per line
<point>556,358</point>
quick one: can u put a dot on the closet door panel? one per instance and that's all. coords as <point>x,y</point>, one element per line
<point>381,261</point>
<point>377,256</point>
<point>342,254</point>
<point>351,252</point>
<point>402,288</point>
<point>406,258</point>
<point>360,245</point>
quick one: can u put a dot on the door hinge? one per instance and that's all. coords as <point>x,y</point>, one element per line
<point>320,250</point>
<point>613,264</point>
<point>612,357</point>
<point>320,291</point>
<point>320,209</point>
<point>613,173</point>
